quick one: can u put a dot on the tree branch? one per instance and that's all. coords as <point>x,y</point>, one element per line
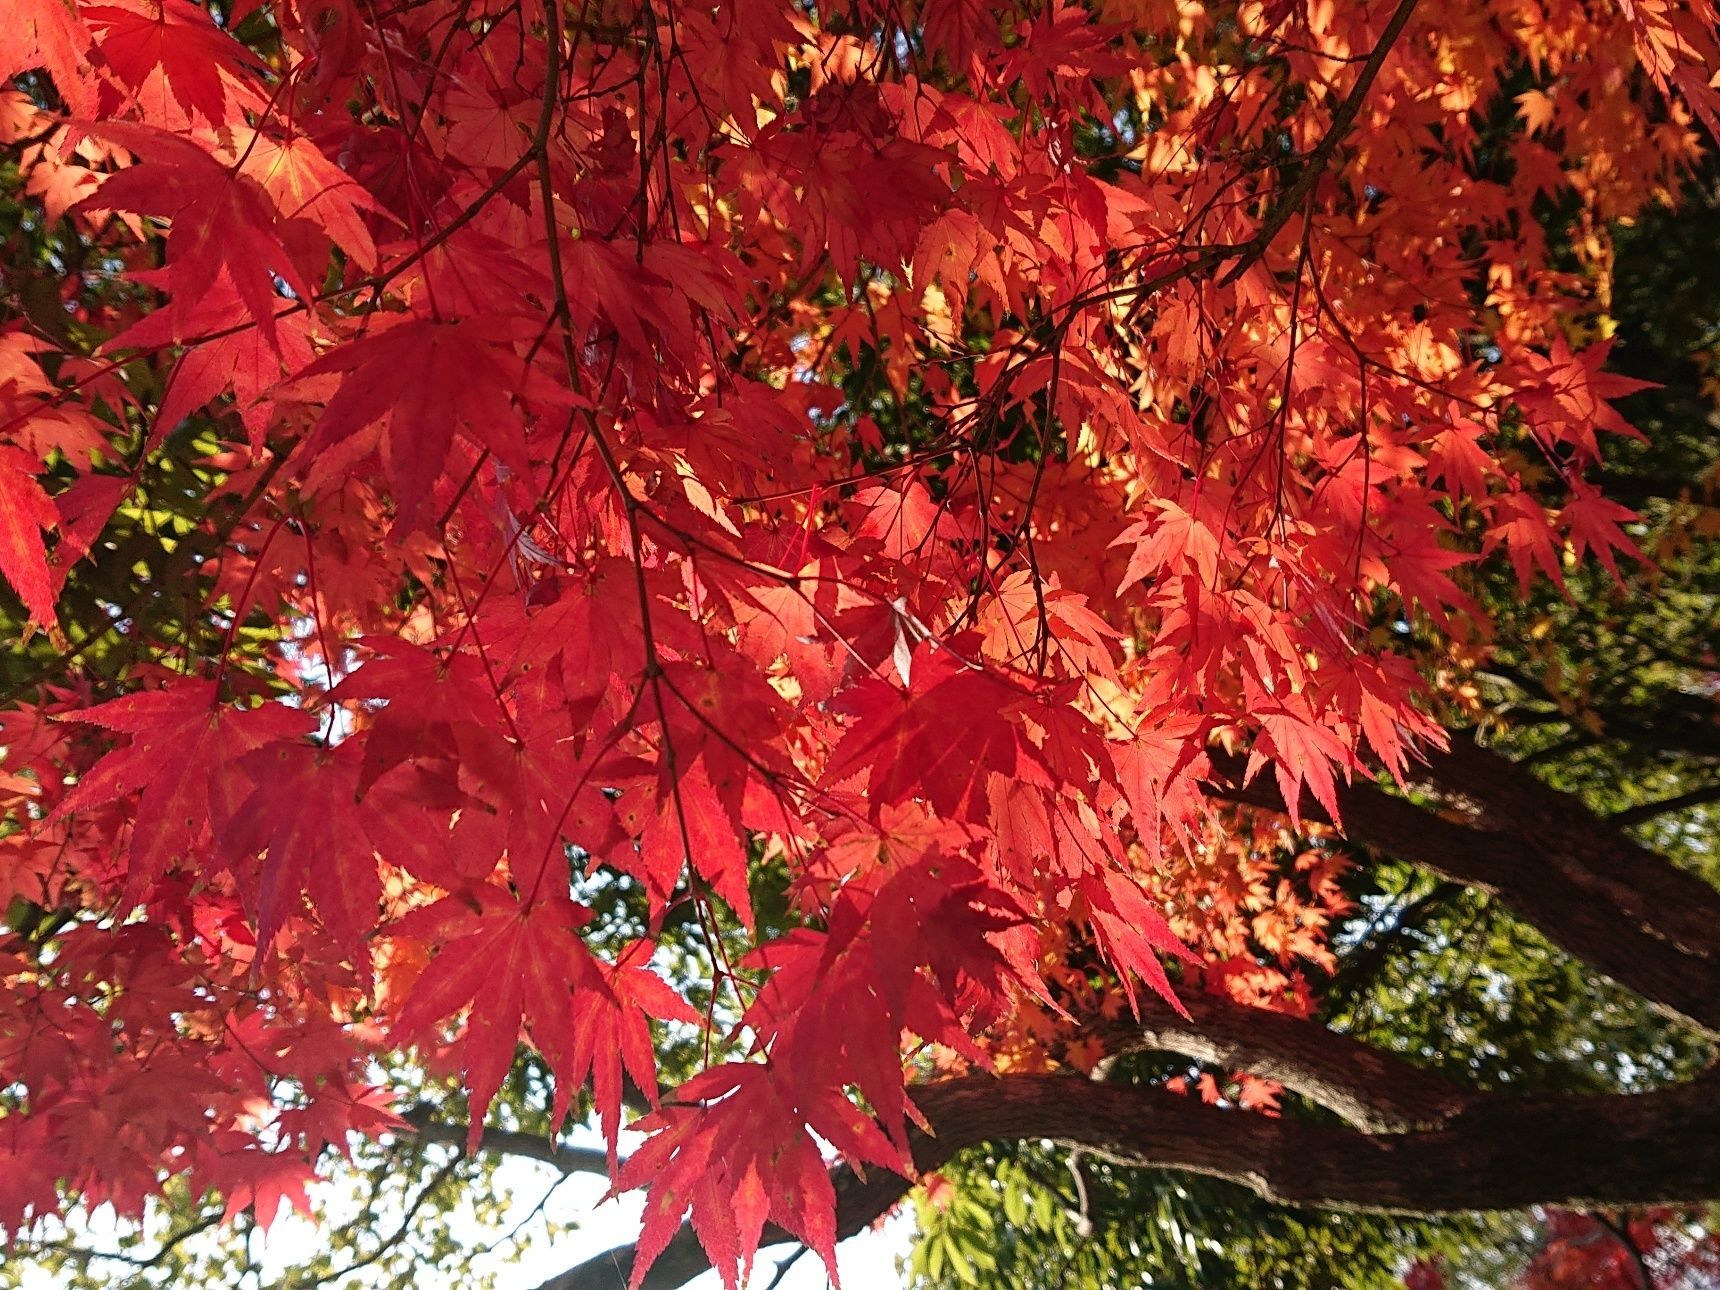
<point>1581,881</point>
<point>1370,1089</point>
<point>1357,968</point>
<point>507,1142</point>
<point>1585,850</point>
<point>1497,1153</point>
<point>1342,119</point>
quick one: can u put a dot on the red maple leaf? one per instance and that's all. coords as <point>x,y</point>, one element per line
<point>423,382</point>
<point>169,49</point>
<point>304,813</point>
<point>611,1034</point>
<point>25,511</point>
<point>223,225</point>
<point>940,739</point>
<point>47,34</point>
<point>306,186</point>
<point>508,965</point>
<point>743,1158</point>
<point>1132,933</point>
<point>1593,523</point>
<point>240,359</point>
<point>184,759</point>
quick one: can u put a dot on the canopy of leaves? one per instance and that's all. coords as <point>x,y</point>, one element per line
<point>561,549</point>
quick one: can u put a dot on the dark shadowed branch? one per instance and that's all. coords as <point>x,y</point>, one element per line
<point>1579,879</point>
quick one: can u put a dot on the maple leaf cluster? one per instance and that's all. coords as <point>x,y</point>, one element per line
<point>887,448</point>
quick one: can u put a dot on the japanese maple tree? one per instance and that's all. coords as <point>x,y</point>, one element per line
<point>898,486</point>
